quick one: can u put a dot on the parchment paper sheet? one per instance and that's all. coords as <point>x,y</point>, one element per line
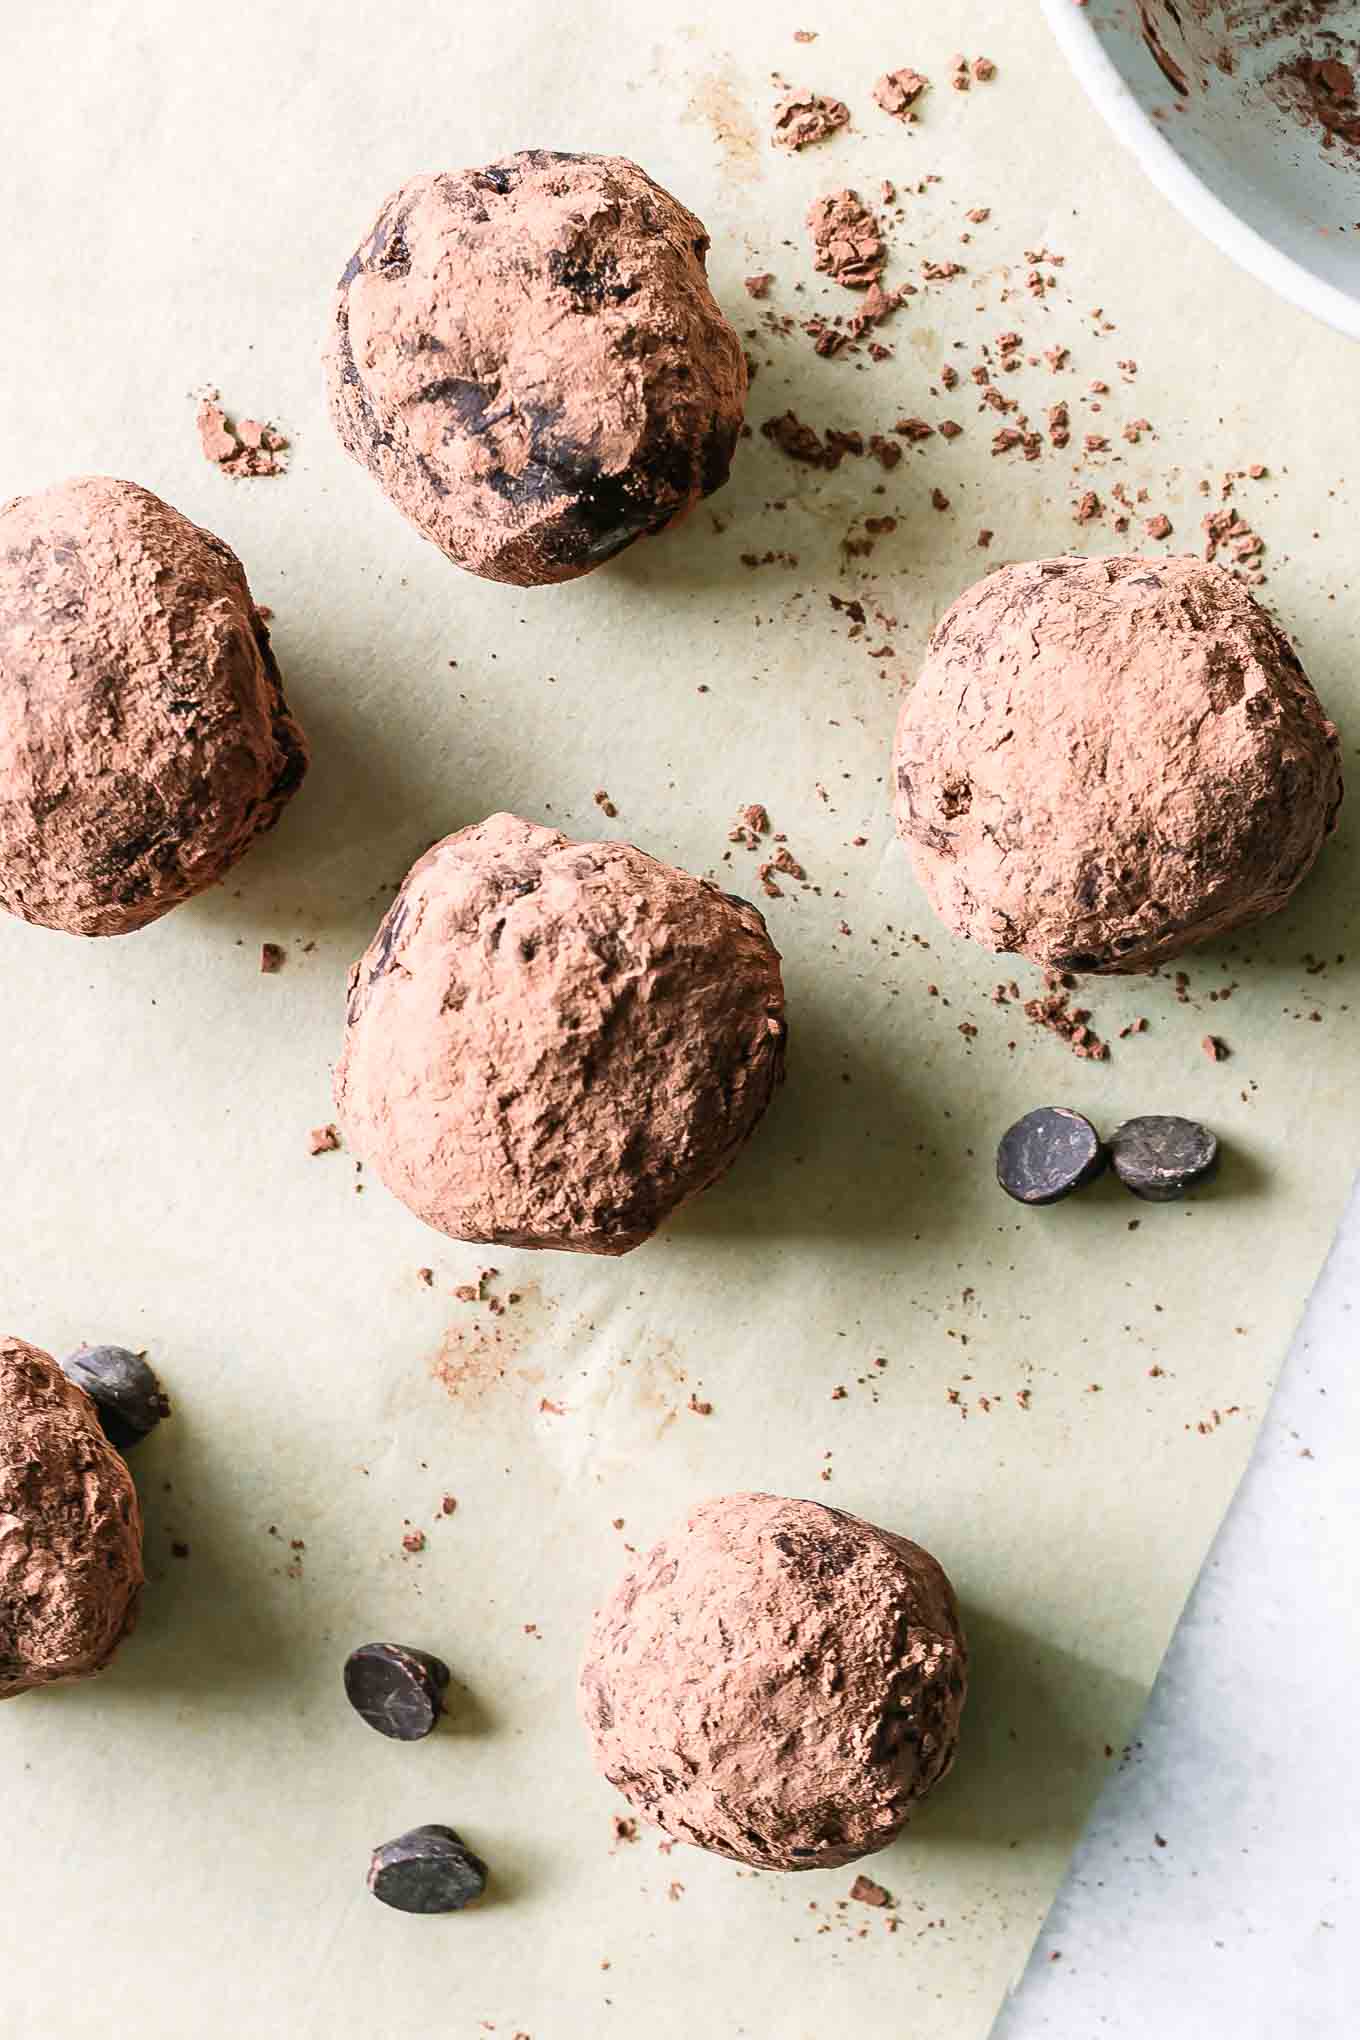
<point>180,187</point>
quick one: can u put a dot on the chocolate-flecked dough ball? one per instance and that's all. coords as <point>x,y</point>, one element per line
<point>1106,761</point>
<point>530,361</point>
<point>144,738</point>
<point>70,1529</point>
<point>554,1044</point>
<point>778,1682</point>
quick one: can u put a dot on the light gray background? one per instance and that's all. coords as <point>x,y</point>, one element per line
<point>1244,1922</point>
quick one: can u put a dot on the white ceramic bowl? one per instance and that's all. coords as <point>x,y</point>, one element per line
<point>1224,146</point>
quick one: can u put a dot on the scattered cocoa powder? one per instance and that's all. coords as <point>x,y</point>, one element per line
<point>1054,1011</point>
<point>1321,90</point>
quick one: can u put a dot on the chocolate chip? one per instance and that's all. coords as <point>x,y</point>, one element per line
<point>427,1870</point>
<point>398,1691</point>
<point>1160,1157</point>
<point>127,1397</point>
<point>1048,1154</point>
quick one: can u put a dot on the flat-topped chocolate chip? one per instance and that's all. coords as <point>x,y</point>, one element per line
<point>1048,1154</point>
<point>427,1870</point>
<point>1160,1157</point>
<point>397,1690</point>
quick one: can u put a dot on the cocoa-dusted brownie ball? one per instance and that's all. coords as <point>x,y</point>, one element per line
<point>70,1529</point>
<point>554,1044</point>
<point>144,738</point>
<point>529,359</point>
<point>1105,761</point>
<point>777,1681</point>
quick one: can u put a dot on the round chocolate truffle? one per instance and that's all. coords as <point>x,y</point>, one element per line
<point>144,738</point>
<point>530,360</point>
<point>778,1682</point>
<point>1105,761</point>
<point>553,1044</point>
<point>70,1529</point>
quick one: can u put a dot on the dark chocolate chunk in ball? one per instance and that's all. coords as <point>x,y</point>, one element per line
<point>529,359</point>
<point>428,1870</point>
<point>1161,1157</point>
<point>128,1398</point>
<point>1048,1154</point>
<point>398,1691</point>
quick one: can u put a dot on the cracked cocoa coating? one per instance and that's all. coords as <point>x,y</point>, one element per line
<point>70,1529</point>
<point>144,738</point>
<point>778,1682</point>
<point>1106,761</point>
<point>530,361</point>
<point>554,1044</point>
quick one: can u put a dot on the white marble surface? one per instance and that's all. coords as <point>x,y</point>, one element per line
<point>1241,1920</point>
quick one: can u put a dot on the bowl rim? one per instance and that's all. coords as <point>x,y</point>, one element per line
<point>1079,37</point>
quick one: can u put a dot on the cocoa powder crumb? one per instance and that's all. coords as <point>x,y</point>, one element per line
<point>250,448</point>
<point>803,443</point>
<point>759,286</point>
<point>868,1893</point>
<point>605,804</point>
<point>802,118</point>
<point>272,958</point>
<point>898,91</point>
<point>323,1140</point>
<point>846,240</point>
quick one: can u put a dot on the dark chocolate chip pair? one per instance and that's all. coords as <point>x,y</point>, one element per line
<point>1053,1151</point>
<point>400,1692</point>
